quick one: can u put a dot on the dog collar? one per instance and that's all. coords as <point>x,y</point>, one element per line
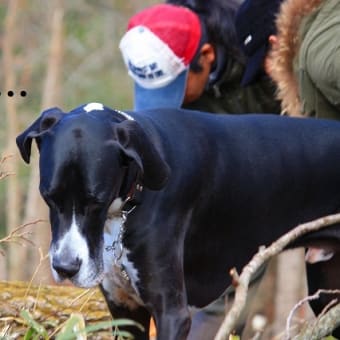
<point>134,196</point>
<point>117,245</point>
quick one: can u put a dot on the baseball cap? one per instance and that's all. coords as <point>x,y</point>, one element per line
<point>157,49</point>
<point>255,22</point>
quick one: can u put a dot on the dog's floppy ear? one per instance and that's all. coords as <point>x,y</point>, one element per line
<point>46,120</point>
<point>136,144</point>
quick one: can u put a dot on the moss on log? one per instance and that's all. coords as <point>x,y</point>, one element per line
<point>50,306</point>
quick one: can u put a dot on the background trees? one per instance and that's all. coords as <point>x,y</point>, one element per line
<point>62,53</point>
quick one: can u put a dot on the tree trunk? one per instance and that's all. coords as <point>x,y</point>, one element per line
<point>291,287</point>
<point>35,207</point>
<point>16,254</point>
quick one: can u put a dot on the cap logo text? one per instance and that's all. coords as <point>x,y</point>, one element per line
<point>150,71</point>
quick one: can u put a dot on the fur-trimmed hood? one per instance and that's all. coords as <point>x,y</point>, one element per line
<point>282,55</point>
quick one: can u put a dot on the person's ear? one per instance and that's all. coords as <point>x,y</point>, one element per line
<point>272,40</point>
<point>207,54</point>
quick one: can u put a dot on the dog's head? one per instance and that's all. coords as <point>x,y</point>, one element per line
<point>88,158</point>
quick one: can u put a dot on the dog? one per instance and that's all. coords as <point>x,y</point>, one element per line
<point>156,206</point>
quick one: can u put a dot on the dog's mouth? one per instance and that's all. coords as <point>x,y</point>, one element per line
<point>88,282</point>
<point>88,276</point>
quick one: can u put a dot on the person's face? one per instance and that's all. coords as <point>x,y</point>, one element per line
<point>196,81</point>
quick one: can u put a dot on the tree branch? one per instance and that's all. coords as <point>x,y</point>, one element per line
<point>259,259</point>
<point>303,301</point>
<point>321,327</point>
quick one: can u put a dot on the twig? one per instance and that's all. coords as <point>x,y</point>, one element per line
<point>18,235</point>
<point>327,308</point>
<point>259,259</point>
<point>41,259</point>
<point>80,296</point>
<point>4,174</point>
<point>321,327</point>
<point>3,159</point>
<point>89,296</point>
<point>303,301</point>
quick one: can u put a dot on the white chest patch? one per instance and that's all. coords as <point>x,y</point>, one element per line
<point>74,240</point>
<point>120,289</point>
<point>93,106</point>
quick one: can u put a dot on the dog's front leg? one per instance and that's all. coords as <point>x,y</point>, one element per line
<point>165,297</point>
<point>173,324</point>
<point>130,311</point>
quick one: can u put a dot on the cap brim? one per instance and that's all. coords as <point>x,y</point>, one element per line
<point>254,66</point>
<point>169,96</point>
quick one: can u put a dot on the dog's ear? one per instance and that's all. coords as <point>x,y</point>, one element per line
<point>46,120</point>
<point>136,144</point>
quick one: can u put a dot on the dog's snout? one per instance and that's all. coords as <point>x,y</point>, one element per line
<point>66,268</point>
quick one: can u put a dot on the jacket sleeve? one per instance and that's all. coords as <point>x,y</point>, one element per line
<point>321,52</point>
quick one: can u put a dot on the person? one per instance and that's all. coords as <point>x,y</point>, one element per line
<point>305,60</point>
<point>185,54</point>
<point>256,32</point>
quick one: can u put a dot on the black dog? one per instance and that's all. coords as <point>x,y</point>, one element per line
<point>157,206</point>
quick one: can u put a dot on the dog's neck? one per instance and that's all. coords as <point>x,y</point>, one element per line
<point>117,211</point>
<point>116,263</point>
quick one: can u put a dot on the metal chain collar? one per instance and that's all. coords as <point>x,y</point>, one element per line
<point>117,245</point>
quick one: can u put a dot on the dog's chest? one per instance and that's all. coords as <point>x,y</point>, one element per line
<point>121,276</point>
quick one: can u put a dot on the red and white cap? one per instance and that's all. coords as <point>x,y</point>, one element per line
<point>157,49</point>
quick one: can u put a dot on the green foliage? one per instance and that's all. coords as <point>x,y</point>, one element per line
<point>74,328</point>
<point>234,337</point>
<point>35,330</point>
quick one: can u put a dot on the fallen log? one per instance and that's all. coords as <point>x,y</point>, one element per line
<point>50,306</point>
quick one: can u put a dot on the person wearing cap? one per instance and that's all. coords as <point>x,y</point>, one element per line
<point>188,56</point>
<point>185,54</point>
<point>256,32</point>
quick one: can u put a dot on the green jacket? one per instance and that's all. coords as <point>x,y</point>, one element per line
<point>318,61</point>
<point>305,61</point>
<point>230,97</point>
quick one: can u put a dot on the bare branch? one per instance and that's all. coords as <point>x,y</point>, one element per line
<point>259,259</point>
<point>4,174</point>
<point>19,235</point>
<point>321,327</point>
<point>43,257</point>
<point>302,302</point>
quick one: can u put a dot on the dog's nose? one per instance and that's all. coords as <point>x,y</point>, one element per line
<point>66,268</point>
